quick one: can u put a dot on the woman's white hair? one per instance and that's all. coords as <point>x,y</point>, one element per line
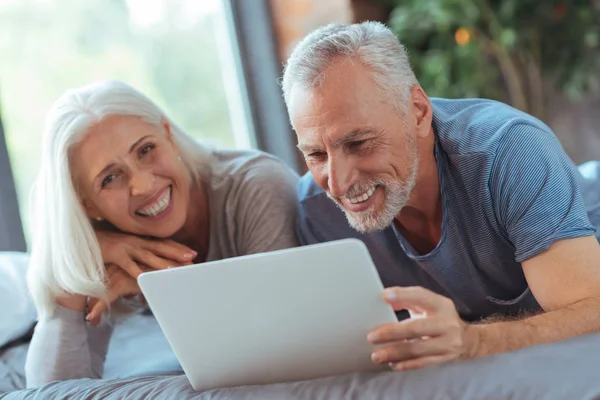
<point>65,254</point>
<point>371,43</point>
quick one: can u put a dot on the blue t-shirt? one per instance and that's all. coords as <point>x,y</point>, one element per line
<point>508,192</point>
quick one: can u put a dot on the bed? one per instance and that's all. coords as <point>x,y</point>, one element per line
<point>140,365</point>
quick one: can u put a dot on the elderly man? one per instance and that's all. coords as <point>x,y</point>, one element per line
<point>474,215</point>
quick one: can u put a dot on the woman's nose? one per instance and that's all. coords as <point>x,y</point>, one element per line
<point>142,183</point>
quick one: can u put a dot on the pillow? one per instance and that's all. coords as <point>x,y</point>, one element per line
<point>17,311</point>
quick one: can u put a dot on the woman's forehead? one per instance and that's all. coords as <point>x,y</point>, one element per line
<point>108,141</point>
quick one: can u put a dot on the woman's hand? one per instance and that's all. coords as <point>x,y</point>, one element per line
<point>120,284</point>
<point>126,256</point>
<point>128,252</point>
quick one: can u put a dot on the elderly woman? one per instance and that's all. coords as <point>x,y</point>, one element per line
<point>122,189</point>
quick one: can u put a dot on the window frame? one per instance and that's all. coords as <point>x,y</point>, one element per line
<point>11,228</point>
<point>259,69</point>
<point>249,24</point>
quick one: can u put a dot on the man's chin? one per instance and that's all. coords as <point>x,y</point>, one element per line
<point>367,221</point>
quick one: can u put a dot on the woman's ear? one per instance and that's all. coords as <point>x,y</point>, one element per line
<point>167,127</point>
<point>91,210</point>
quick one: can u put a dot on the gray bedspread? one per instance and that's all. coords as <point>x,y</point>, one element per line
<point>140,365</point>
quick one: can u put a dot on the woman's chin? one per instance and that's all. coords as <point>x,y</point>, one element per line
<point>165,229</point>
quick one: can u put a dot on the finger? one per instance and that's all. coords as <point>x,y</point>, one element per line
<point>111,269</point>
<point>154,262</point>
<point>91,303</point>
<point>421,362</point>
<point>409,350</point>
<point>101,305</point>
<point>412,328</point>
<point>145,268</point>
<point>131,267</point>
<point>96,320</point>
<point>170,249</point>
<point>417,299</point>
<point>96,310</point>
<point>95,306</point>
<point>122,285</point>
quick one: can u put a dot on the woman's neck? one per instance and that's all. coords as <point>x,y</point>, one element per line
<point>195,232</point>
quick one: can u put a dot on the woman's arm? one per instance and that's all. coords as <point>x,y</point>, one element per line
<point>64,346</point>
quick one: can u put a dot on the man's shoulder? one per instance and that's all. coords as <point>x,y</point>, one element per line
<point>308,188</point>
<point>313,199</point>
<point>469,126</point>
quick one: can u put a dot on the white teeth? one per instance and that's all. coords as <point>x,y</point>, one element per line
<point>161,205</point>
<point>364,197</point>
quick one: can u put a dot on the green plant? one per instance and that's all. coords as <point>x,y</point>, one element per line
<point>501,49</point>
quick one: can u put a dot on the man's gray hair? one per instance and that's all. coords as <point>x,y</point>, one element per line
<point>372,43</point>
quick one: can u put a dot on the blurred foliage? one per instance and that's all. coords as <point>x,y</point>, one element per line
<point>501,49</point>
<point>47,46</point>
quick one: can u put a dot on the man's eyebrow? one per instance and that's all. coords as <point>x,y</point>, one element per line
<point>307,147</point>
<point>355,134</point>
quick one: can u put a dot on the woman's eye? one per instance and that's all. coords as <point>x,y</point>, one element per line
<point>108,179</point>
<point>146,149</point>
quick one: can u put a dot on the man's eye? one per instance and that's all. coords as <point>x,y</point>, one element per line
<point>317,155</point>
<point>356,145</point>
<point>108,179</point>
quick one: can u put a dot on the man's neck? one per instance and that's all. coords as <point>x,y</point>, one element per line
<point>422,215</point>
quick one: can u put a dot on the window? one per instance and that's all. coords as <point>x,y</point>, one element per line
<point>178,52</point>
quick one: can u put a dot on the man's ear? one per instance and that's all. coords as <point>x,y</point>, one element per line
<point>421,110</point>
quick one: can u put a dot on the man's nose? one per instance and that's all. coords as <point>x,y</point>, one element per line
<point>340,175</point>
<point>142,182</point>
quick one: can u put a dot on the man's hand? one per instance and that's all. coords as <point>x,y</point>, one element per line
<point>120,283</point>
<point>434,333</point>
<point>129,251</point>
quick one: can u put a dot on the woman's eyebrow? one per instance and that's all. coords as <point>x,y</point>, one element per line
<point>138,142</point>
<point>112,164</point>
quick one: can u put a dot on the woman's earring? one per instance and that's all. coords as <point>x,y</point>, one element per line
<point>98,219</point>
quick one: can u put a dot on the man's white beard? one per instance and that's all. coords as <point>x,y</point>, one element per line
<point>396,194</point>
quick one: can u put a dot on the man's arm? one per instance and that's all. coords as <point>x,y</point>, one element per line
<point>565,280</point>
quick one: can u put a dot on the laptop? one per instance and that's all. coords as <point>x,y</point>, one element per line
<point>281,316</point>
